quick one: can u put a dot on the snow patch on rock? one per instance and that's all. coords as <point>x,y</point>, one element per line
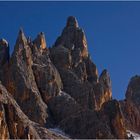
<point>59,132</point>
<point>133,135</point>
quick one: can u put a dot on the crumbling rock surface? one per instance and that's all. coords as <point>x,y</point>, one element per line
<point>14,124</point>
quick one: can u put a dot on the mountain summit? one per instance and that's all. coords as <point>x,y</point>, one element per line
<point>43,90</point>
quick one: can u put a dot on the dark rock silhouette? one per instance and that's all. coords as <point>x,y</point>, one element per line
<point>131,105</point>
<point>4,52</point>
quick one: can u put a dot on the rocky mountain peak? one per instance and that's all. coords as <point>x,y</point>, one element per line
<point>21,37</point>
<point>60,87</point>
<point>73,37</point>
<point>72,22</point>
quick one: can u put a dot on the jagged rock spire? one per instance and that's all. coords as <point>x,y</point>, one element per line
<point>73,37</point>
<point>21,37</point>
<point>40,41</point>
<point>104,79</point>
<point>72,21</point>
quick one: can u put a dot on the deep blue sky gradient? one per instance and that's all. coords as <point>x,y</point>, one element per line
<point>112,31</point>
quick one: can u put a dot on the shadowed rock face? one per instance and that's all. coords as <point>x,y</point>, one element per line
<point>112,115</point>
<point>62,107</point>
<point>4,52</point>
<point>14,124</point>
<point>73,37</point>
<point>60,87</point>
<point>131,105</point>
<point>72,22</point>
<point>4,56</point>
<point>46,75</point>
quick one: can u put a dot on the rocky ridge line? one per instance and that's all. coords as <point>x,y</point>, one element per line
<point>60,87</point>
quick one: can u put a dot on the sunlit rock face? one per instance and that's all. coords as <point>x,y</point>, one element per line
<point>4,133</point>
<point>102,89</point>
<point>20,81</point>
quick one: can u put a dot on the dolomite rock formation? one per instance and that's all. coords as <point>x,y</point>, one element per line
<point>20,81</point>
<point>78,73</point>
<point>59,87</point>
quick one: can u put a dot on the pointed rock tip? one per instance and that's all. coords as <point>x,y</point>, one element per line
<point>72,21</point>
<point>4,42</point>
<point>104,71</point>
<point>41,41</point>
<point>21,37</point>
<point>104,75</point>
<point>21,33</point>
<point>21,30</point>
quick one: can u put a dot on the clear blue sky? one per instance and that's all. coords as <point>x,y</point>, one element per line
<point>112,30</point>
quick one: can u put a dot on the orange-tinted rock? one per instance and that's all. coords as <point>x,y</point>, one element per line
<point>46,75</point>
<point>112,115</point>
<point>20,82</point>
<point>103,89</point>
<point>4,133</point>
